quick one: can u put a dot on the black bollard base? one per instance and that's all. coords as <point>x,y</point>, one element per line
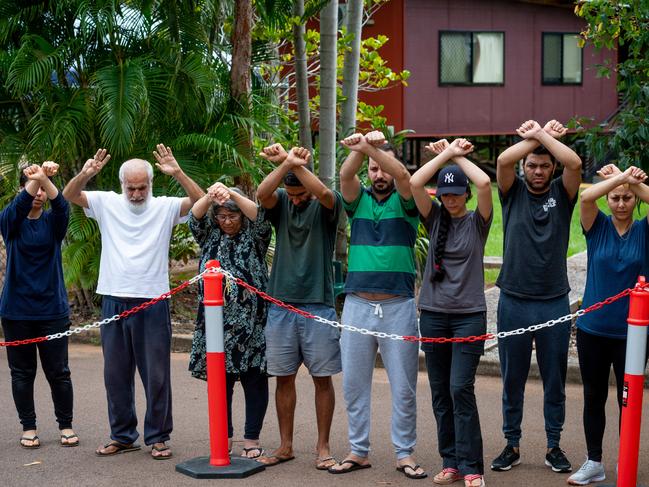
<point>239,468</point>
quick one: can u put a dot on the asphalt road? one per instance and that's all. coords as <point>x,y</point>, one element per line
<point>55,466</point>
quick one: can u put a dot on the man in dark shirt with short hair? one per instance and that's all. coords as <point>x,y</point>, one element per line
<point>533,280</point>
<point>305,216</point>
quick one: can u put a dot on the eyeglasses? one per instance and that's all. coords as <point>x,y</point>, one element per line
<point>230,218</point>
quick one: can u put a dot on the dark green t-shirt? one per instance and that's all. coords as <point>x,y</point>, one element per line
<point>305,238</point>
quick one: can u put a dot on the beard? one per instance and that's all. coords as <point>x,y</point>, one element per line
<point>382,187</point>
<point>539,187</point>
<point>137,207</point>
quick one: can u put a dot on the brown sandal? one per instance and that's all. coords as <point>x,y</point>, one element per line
<point>161,449</point>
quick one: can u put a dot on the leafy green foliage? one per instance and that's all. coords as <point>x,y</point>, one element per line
<point>125,75</point>
<point>621,26</point>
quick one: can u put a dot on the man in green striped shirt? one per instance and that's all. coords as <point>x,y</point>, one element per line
<point>380,297</point>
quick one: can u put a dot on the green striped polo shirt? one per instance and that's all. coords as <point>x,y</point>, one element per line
<point>381,249</point>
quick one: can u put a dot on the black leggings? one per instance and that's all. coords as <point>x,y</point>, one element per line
<point>255,390</point>
<point>23,365</point>
<point>596,355</point>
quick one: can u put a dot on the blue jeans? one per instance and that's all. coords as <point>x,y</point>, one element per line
<point>551,354</point>
<point>451,375</point>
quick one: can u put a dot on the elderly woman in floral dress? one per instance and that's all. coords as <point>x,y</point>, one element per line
<point>234,230</point>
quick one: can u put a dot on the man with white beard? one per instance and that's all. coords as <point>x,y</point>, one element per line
<point>135,230</point>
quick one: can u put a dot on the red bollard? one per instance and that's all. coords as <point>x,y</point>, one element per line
<point>636,344</point>
<point>215,357</point>
<point>218,464</point>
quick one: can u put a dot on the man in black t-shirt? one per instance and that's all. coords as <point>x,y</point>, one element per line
<point>533,280</point>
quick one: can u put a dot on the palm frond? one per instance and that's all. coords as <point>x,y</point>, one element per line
<point>122,97</point>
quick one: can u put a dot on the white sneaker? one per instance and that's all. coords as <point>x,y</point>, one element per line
<point>589,472</point>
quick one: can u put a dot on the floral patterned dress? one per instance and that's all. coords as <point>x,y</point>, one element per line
<point>244,313</point>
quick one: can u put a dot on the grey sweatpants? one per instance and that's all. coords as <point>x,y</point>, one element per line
<point>397,315</point>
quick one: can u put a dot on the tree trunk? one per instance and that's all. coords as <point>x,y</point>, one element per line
<point>240,82</point>
<point>328,65</point>
<point>301,79</point>
<point>351,68</point>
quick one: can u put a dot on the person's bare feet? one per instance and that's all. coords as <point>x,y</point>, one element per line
<point>160,451</point>
<point>280,455</point>
<point>324,459</point>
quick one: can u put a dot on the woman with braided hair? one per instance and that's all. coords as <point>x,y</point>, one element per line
<point>452,303</point>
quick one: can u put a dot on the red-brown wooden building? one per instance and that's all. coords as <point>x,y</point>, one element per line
<point>481,67</point>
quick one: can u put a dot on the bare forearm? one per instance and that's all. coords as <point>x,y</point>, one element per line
<point>314,186</point>
<point>72,190</point>
<point>32,187</point>
<point>192,189</point>
<point>473,172</point>
<point>560,151</point>
<point>351,166</point>
<point>598,190</point>
<point>641,191</point>
<point>428,170</point>
<point>513,154</point>
<point>388,163</point>
<point>200,208</point>
<point>271,182</point>
<point>50,190</point>
<point>248,207</point>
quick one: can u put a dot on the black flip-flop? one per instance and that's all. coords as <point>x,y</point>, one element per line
<point>121,448</point>
<point>246,451</point>
<point>68,437</point>
<point>279,460</point>
<point>354,466</point>
<point>32,439</point>
<point>413,475</point>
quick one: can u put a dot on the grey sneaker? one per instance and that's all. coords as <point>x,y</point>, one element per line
<point>589,472</point>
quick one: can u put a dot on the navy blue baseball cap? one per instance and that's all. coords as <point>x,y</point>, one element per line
<point>452,180</point>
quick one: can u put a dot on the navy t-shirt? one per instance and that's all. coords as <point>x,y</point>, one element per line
<point>33,286</point>
<point>536,234</point>
<point>614,264</point>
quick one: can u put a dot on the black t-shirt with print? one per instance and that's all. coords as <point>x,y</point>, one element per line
<point>536,234</point>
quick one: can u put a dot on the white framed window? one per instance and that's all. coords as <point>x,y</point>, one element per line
<point>471,58</point>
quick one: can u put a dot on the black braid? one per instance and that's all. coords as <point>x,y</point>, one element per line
<point>438,271</point>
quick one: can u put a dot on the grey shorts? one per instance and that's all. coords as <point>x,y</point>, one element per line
<point>292,339</point>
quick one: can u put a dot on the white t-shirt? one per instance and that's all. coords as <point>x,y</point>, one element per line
<point>134,247</point>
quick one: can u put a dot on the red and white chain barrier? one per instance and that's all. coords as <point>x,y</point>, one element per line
<point>393,336</point>
<point>105,321</point>
<point>233,280</point>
